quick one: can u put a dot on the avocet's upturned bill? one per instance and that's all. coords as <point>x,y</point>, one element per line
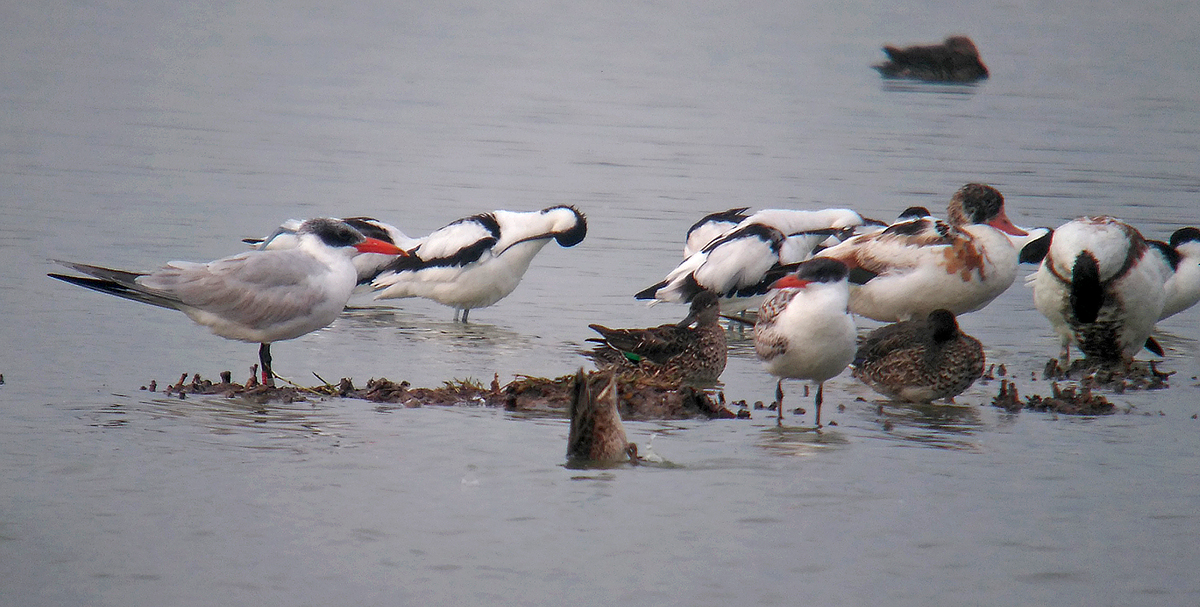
<point>257,296</point>
<point>478,260</point>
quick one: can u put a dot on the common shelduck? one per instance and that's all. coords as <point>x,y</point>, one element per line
<point>914,267</point>
<point>1101,288</point>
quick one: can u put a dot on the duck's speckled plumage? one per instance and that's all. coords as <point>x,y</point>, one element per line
<point>597,435</point>
<point>919,360</point>
<point>678,351</point>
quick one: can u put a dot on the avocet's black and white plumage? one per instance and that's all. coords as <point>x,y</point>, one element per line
<point>478,260</point>
<point>710,227</point>
<point>919,360</point>
<point>804,330</point>
<point>367,265</point>
<point>1100,288</point>
<point>257,296</point>
<point>1180,259</point>
<point>740,264</point>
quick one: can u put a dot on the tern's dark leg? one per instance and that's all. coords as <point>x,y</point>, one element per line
<point>264,358</point>
<point>820,399</point>
<point>779,400</point>
<point>465,311</point>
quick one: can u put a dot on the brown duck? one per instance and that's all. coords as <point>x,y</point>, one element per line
<point>677,351</point>
<point>919,360</point>
<point>597,435</point>
<point>954,60</point>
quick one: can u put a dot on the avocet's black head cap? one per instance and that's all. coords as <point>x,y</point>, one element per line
<point>1182,235</point>
<point>575,230</point>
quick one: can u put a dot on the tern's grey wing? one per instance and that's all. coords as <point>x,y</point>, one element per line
<point>254,289</point>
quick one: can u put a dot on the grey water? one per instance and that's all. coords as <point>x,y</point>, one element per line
<point>133,133</point>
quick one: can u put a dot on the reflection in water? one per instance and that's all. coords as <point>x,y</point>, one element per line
<point>942,425</point>
<point>911,86</point>
<point>800,441</point>
<point>239,419</point>
<point>446,333</point>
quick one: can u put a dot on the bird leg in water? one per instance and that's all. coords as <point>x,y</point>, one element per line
<point>264,357</point>
<point>779,400</point>
<point>820,399</point>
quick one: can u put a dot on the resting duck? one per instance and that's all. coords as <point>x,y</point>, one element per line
<point>803,329</point>
<point>597,435</point>
<point>919,360</point>
<point>677,351</point>
<point>740,264</point>
<point>1101,288</point>
<point>954,60</point>
<point>914,267</point>
<point>478,260</point>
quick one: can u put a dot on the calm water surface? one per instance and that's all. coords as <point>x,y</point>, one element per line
<point>135,133</point>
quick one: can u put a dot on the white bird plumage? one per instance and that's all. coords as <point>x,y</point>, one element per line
<point>1100,289</point>
<point>1180,259</point>
<point>367,265</point>
<point>256,296</point>
<point>923,264</point>
<point>804,330</point>
<point>741,263</point>
<point>477,261</point>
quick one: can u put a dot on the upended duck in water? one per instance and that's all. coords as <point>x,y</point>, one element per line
<point>597,435</point>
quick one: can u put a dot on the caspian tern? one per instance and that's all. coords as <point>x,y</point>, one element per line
<point>478,260</point>
<point>804,330</point>
<point>1100,288</point>
<point>919,360</point>
<point>256,296</point>
<point>368,265</point>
